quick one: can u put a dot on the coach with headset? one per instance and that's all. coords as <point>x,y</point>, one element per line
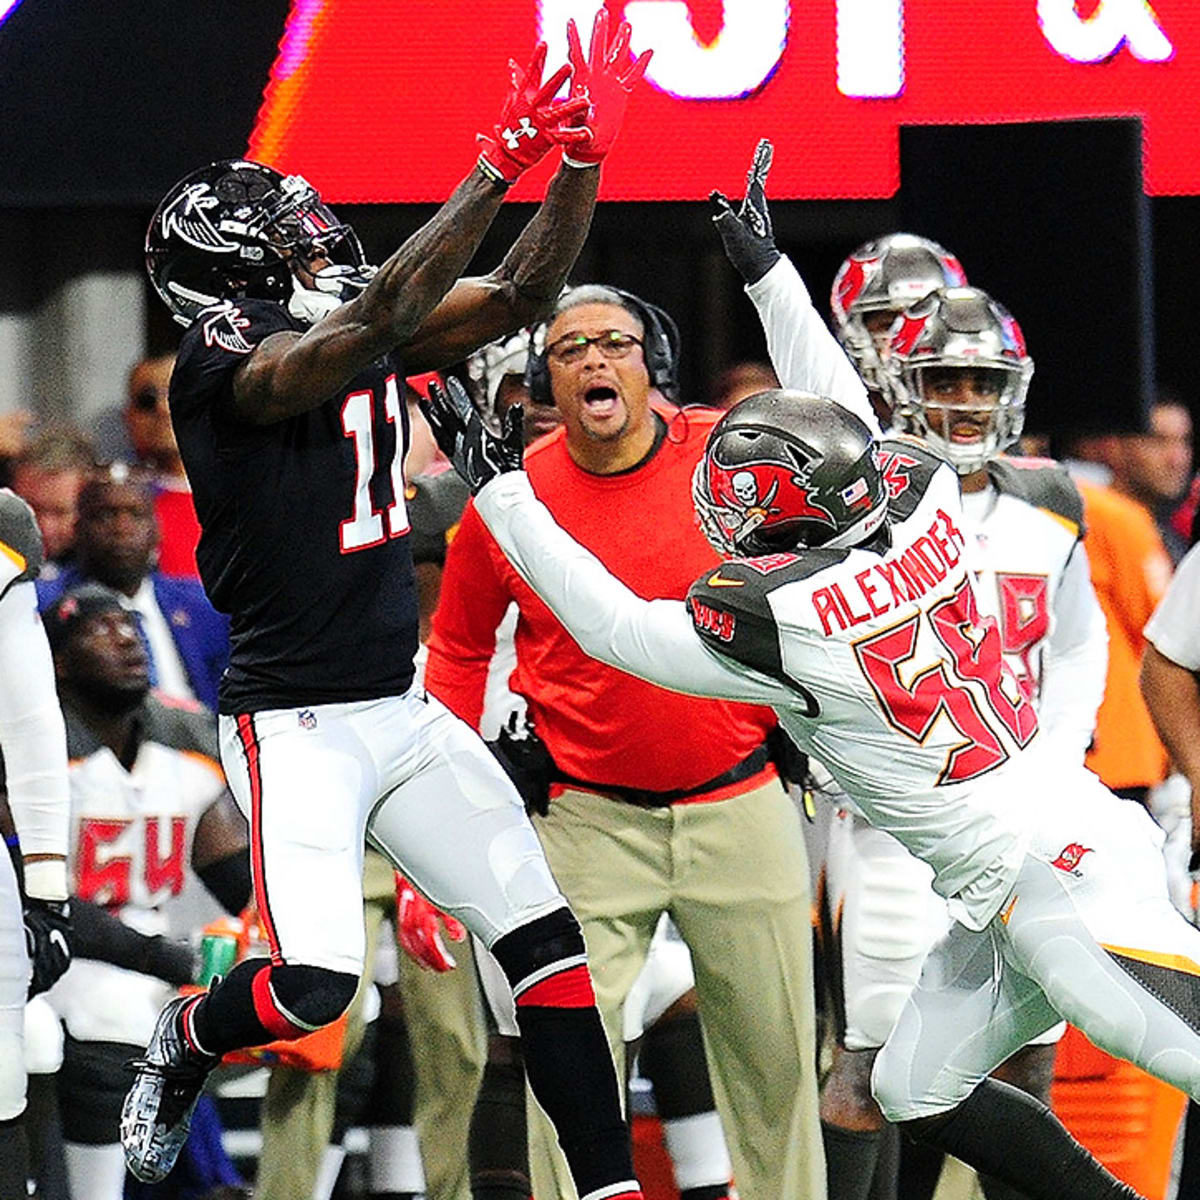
<point>657,802</point>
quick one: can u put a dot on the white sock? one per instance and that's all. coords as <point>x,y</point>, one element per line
<point>97,1172</point>
<point>395,1158</point>
<point>698,1151</point>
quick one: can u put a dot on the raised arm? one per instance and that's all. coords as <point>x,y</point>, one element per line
<point>805,355</point>
<point>290,372</point>
<point>525,285</point>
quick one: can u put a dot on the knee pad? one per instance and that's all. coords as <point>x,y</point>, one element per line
<point>545,947</point>
<point>12,1075</point>
<point>305,997</point>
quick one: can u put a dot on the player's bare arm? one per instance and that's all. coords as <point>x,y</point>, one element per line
<point>525,285</point>
<point>522,288</point>
<point>1172,695</point>
<point>290,372</point>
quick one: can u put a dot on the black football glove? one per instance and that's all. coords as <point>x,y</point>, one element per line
<point>48,940</point>
<point>746,232</point>
<point>477,453</point>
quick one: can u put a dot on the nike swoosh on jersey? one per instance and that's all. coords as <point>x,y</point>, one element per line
<point>717,581</point>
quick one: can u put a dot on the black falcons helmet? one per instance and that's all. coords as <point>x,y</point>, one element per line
<point>788,470</point>
<point>228,230</point>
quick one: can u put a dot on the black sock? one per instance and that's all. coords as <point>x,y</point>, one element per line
<point>719,1191</point>
<point>920,1169</point>
<point>850,1159</point>
<point>225,1019</point>
<point>14,1159</point>
<point>672,1058</point>
<point>570,1070</point>
<point>1001,1131</point>
<point>498,1145</point>
<point>886,1182</point>
<point>1189,1170</point>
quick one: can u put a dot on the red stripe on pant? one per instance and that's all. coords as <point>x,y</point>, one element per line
<point>571,988</point>
<point>245,726</point>
<point>277,1022</point>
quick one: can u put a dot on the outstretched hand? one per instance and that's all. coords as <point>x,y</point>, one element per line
<point>478,455</point>
<point>604,80</point>
<point>746,231</point>
<point>532,122</point>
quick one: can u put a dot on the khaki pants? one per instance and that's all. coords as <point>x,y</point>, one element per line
<point>734,876</point>
<point>449,1044</point>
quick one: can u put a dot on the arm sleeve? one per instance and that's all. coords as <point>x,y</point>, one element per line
<point>471,604</point>
<point>32,733</point>
<point>1174,629</point>
<point>1076,660</point>
<point>805,355</point>
<point>100,935</point>
<point>652,639</point>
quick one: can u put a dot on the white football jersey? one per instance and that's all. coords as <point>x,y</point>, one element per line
<point>131,847</point>
<point>1026,529</point>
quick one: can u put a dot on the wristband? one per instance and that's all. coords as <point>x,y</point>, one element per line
<point>46,879</point>
<point>492,172</point>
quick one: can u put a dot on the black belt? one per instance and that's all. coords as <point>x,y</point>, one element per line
<point>745,769</point>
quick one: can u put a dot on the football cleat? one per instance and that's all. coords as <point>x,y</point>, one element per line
<point>157,1113</point>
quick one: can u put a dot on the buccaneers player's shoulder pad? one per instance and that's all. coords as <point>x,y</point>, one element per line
<point>1041,482</point>
<point>731,609</point>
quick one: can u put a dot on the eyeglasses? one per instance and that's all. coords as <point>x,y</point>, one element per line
<point>612,343</point>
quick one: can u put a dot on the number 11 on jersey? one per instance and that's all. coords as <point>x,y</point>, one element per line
<point>365,527</point>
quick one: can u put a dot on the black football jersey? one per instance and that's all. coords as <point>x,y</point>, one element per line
<point>304,528</point>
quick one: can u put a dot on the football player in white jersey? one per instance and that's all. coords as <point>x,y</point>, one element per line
<point>34,920</point>
<point>850,609</point>
<point>149,804</point>
<point>953,368</point>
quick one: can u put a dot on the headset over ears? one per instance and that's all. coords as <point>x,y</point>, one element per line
<point>660,349</point>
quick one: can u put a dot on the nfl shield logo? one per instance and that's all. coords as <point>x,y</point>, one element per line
<point>308,719</point>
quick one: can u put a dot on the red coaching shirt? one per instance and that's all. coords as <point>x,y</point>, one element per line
<point>600,724</point>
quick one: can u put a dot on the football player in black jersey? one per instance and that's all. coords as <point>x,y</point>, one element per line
<point>287,404</point>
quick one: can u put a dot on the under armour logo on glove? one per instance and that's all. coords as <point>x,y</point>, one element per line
<point>512,137</point>
<point>532,122</point>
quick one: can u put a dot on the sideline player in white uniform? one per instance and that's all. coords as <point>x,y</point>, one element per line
<point>955,372</point>
<point>857,621</point>
<point>35,919</point>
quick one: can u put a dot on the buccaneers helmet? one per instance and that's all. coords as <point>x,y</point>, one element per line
<point>234,229</point>
<point>887,275</point>
<point>959,328</point>
<point>787,470</point>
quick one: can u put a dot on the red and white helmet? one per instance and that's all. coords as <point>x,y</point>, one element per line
<point>958,328</point>
<point>886,275</point>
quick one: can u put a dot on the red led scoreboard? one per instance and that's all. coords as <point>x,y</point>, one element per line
<point>379,100</point>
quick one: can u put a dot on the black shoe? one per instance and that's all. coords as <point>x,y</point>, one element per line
<point>157,1112</point>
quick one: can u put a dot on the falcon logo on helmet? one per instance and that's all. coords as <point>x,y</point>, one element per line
<point>187,218</point>
<point>236,228</point>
